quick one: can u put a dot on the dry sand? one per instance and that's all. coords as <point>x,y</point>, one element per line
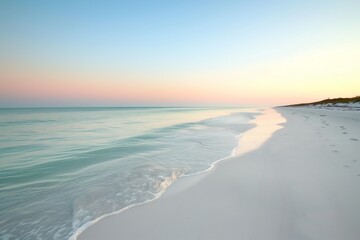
<point>303,183</point>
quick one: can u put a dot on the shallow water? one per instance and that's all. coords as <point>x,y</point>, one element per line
<point>63,167</point>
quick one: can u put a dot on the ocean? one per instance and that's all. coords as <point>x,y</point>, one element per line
<point>62,169</point>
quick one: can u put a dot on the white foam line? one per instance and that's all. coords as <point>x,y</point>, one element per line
<point>92,222</point>
<point>158,195</point>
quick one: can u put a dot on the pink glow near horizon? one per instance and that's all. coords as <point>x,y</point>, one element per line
<point>303,79</point>
<point>125,92</point>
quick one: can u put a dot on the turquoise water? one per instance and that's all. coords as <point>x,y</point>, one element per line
<point>61,168</point>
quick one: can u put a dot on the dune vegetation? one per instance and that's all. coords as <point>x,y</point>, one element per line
<point>329,101</point>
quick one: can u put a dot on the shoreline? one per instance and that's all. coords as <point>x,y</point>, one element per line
<point>191,177</point>
<point>186,181</point>
<point>300,184</point>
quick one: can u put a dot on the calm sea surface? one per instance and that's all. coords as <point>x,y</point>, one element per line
<point>61,168</point>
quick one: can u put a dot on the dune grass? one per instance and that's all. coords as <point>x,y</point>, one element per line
<point>328,101</point>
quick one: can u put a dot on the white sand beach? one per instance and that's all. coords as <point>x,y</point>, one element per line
<point>303,182</point>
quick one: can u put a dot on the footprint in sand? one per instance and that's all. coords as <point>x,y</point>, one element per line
<point>347,166</point>
<point>335,151</point>
<point>344,132</point>
<point>354,160</point>
<point>354,139</point>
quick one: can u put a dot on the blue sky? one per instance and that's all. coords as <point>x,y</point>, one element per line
<point>172,37</point>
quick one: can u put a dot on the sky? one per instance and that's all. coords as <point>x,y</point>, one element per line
<point>177,53</point>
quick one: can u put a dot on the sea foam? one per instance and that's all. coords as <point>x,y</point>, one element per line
<point>64,169</point>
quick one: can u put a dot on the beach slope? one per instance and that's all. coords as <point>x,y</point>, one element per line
<point>303,183</point>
